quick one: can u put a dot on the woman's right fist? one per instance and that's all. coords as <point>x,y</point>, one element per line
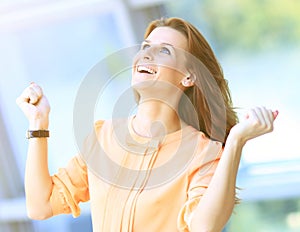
<point>35,106</point>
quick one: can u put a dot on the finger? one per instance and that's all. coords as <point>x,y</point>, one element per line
<point>259,119</point>
<point>23,101</point>
<point>267,123</point>
<point>271,115</point>
<point>29,95</point>
<point>269,119</point>
<point>37,89</point>
<point>33,96</point>
<point>36,93</point>
<point>252,115</point>
<point>267,115</point>
<point>275,114</point>
<point>24,97</point>
<point>261,115</point>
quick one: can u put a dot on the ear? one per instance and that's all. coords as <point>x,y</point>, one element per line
<point>188,81</point>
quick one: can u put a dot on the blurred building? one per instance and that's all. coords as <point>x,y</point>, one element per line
<point>56,43</point>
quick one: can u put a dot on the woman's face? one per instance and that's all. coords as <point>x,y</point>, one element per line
<point>161,57</point>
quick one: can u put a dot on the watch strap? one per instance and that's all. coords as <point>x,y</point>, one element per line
<point>37,134</point>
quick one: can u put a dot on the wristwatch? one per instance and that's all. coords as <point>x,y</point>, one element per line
<point>37,134</point>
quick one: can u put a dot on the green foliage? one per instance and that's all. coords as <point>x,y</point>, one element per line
<point>247,25</point>
<point>266,216</point>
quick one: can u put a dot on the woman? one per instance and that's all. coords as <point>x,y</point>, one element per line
<point>176,159</point>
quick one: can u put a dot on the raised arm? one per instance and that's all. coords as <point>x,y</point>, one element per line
<point>38,183</point>
<point>216,205</point>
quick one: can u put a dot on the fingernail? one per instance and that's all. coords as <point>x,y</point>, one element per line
<point>275,114</point>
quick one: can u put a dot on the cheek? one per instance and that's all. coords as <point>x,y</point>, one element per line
<point>176,66</point>
<point>170,74</point>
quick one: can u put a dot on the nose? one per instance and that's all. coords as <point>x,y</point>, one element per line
<point>149,53</point>
<point>147,56</point>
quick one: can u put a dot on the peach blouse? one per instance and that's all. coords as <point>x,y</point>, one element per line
<point>134,183</point>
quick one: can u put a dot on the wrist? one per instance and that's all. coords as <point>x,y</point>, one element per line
<point>235,138</point>
<point>38,125</point>
<point>234,144</point>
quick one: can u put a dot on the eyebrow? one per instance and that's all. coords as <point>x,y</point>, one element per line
<point>148,41</point>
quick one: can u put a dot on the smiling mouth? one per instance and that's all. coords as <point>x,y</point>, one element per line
<point>146,69</point>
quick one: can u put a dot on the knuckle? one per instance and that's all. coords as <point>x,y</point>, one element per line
<point>39,90</point>
<point>255,123</point>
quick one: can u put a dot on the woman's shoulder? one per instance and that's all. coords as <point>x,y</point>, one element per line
<point>206,149</point>
<point>203,139</point>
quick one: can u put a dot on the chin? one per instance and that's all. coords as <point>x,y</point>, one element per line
<point>143,84</point>
<point>147,87</point>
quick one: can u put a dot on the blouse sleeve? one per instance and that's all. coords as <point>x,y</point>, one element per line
<point>70,186</point>
<point>203,169</point>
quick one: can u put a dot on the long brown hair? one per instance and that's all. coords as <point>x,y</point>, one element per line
<point>210,96</point>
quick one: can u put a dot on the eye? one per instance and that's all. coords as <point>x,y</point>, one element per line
<point>165,50</point>
<point>145,46</point>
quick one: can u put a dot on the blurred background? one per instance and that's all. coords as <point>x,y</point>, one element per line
<point>55,44</point>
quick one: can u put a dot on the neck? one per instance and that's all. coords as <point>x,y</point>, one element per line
<point>155,118</point>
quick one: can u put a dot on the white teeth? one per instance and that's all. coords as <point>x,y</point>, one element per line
<point>141,68</point>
